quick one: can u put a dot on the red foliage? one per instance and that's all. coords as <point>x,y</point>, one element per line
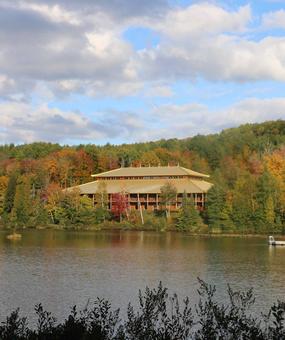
<point>120,204</point>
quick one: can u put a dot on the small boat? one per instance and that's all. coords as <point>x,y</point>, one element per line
<point>272,242</point>
<point>14,236</point>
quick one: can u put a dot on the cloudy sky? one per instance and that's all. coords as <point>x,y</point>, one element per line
<point>130,70</point>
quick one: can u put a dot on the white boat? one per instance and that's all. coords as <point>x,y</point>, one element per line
<point>272,242</point>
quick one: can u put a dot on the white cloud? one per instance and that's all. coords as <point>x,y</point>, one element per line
<point>6,84</point>
<point>217,58</point>
<point>201,19</point>
<point>159,91</point>
<point>82,49</point>
<point>255,110</point>
<point>21,122</point>
<point>274,19</point>
<point>180,121</point>
<point>54,13</point>
<point>50,49</point>
<point>44,43</point>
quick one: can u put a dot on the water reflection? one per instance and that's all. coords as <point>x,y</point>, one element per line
<point>65,268</point>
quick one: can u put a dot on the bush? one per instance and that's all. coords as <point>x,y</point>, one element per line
<point>159,317</point>
<point>153,222</point>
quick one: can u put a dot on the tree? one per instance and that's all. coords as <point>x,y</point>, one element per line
<point>10,193</point>
<point>215,205</point>
<point>22,204</point>
<point>188,218</point>
<point>52,197</point>
<point>101,196</point>
<point>269,211</point>
<point>86,214</point>
<point>265,196</point>
<point>3,187</point>
<point>120,205</point>
<point>244,203</point>
<point>149,159</point>
<point>168,194</point>
<point>39,212</point>
<point>226,222</point>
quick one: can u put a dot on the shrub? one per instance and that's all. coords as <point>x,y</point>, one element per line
<point>158,317</point>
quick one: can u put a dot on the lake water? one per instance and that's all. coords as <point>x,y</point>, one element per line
<point>61,269</point>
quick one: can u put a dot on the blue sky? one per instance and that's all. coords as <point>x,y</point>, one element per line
<point>129,71</point>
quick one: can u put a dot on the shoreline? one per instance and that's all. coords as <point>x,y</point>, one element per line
<point>94,230</point>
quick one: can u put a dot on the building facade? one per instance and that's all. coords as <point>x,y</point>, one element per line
<point>142,186</point>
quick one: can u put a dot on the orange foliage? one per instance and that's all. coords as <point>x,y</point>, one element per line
<point>275,163</point>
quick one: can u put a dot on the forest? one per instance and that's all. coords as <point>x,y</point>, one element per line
<point>246,165</point>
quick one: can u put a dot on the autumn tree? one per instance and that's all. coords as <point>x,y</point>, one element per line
<point>149,158</point>
<point>120,205</point>
<point>52,197</point>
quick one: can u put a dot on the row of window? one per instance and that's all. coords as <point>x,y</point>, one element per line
<point>140,177</point>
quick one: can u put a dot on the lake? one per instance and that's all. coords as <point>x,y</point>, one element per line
<point>60,268</point>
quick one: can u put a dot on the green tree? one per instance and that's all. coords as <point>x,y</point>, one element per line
<point>244,204</point>
<point>22,204</point>
<point>101,197</point>
<point>265,196</point>
<point>86,213</point>
<point>215,205</point>
<point>269,211</point>
<point>101,215</point>
<point>10,194</point>
<point>188,217</point>
<point>226,222</point>
<point>3,189</point>
<point>39,213</point>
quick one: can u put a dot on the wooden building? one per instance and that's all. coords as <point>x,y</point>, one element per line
<point>142,185</point>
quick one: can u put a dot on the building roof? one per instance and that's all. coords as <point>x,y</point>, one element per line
<point>151,186</point>
<point>151,171</point>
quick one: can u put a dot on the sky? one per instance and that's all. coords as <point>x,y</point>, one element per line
<point>123,71</point>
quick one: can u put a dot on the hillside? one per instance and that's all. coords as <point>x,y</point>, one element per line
<point>247,165</point>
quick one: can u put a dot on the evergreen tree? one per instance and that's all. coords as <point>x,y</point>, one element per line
<point>3,187</point>
<point>39,214</point>
<point>10,194</point>
<point>244,204</point>
<point>86,214</point>
<point>22,204</point>
<point>215,205</point>
<point>266,188</point>
<point>269,210</point>
<point>188,218</point>
<point>226,222</point>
